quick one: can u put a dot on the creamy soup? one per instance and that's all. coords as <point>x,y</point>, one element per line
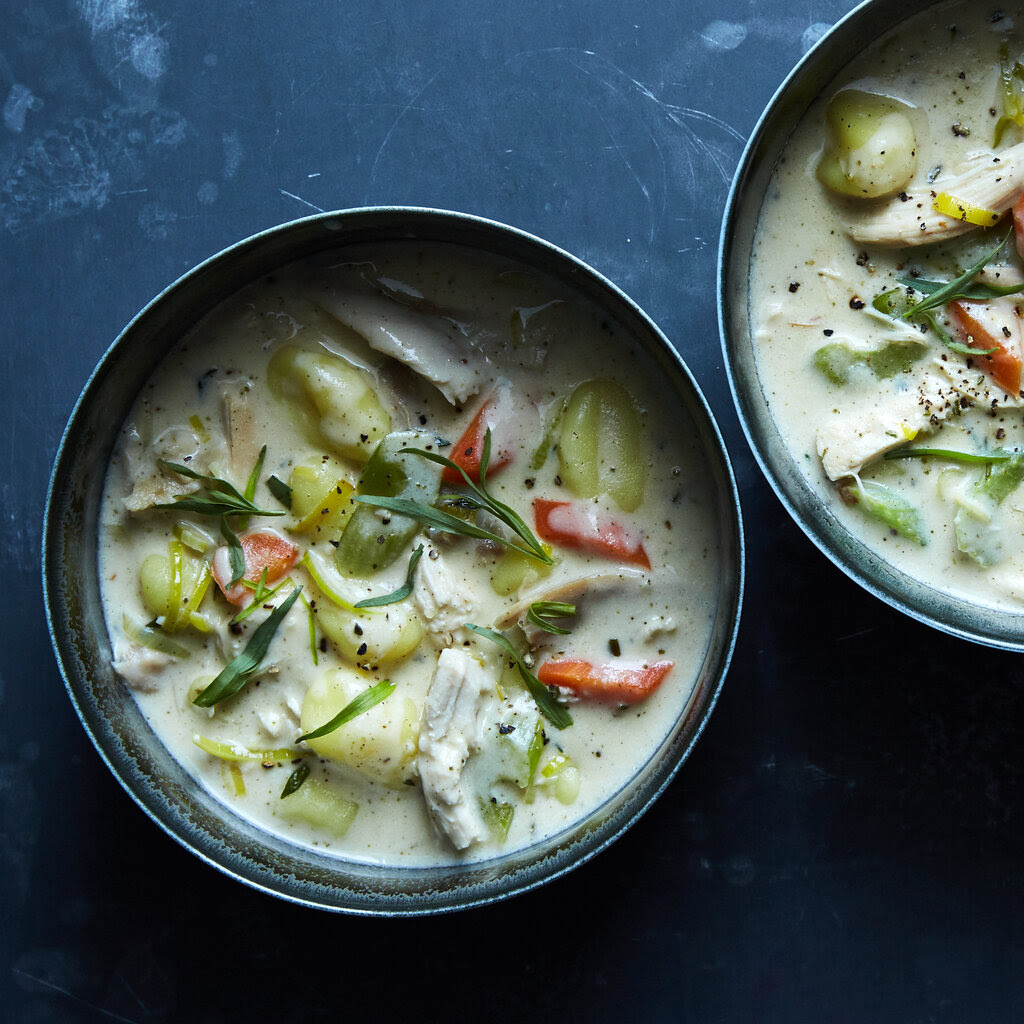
<point>907,416</point>
<point>530,641</point>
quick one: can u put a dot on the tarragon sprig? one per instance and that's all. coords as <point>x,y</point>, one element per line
<point>445,522</point>
<point>540,613</point>
<point>218,497</point>
<point>549,707</point>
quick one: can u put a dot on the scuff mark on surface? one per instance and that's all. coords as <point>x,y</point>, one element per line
<point>723,35</point>
<point>232,145</point>
<point>17,105</point>
<point>812,34</point>
<point>305,202</point>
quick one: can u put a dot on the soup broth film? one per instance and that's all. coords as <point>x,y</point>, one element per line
<point>407,555</point>
<point>887,292</point>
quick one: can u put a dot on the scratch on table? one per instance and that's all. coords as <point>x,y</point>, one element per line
<point>292,195</point>
<point>394,124</point>
<point>109,1014</point>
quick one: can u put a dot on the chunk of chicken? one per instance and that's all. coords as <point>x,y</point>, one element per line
<point>450,731</point>
<point>431,346</point>
<point>991,181</point>
<point>444,605</point>
<point>850,440</point>
<point>139,666</point>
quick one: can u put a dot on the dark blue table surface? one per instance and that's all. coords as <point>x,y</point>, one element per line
<point>844,844</point>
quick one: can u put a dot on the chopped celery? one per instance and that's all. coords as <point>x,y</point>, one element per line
<point>514,569</point>
<point>374,539</point>
<point>837,360</point>
<point>318,804</point>
<point>978,532</point>
<point>154,639</point>
<point>564,776</point>
<point>497,815</point>
<point>1011,77</point>
<point>891,508</point>
<point>192,537</point>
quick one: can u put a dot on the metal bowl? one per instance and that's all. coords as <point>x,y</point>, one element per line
<point>808,80</point>
<point>161,787</point>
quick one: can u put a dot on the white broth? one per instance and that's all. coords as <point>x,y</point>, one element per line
<point>331,364</point>
<point>862,220</point>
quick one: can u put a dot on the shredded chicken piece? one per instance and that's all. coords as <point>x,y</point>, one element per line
<point>444,605</point>
<point>451,730</point>
<point>431,346</point>
<point>139,666</point>
<point>850,440</point>
<point>991,181</point>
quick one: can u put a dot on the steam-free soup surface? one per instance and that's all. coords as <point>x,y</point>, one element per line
<point>905,176</point>
<point>339,368</point>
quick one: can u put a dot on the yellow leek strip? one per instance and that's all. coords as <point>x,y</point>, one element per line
<point>309,561</point>
<point>192,537</point>
<point>172,618</point>
<point>237,779</point>
<point>198,429</point>
<point>196,620</point>
<point>236,752</point>
<point>960,209</point>
<point>340,494</point>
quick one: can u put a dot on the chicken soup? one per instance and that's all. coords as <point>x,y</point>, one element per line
<point>406,556</point>
<point>887,293</point>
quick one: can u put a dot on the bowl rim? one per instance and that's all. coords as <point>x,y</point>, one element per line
<point>820,65</point>
<point>565,856</point>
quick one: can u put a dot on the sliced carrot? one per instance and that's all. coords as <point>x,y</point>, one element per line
<point>263,550</point>
<point>992,325</point>
<point>466,452</point>
<point>626,684</point>
<point>573,524</point>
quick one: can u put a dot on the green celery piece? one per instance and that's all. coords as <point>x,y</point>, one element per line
<point>242,667</point>
<point>836,360</point>
<point>497,816</point>
<point>368,544</point>
<point>881,503</point>
<point>1013,95</point>
<point>897,303</point>
<point>1002,479</point>
<point>982,539</point>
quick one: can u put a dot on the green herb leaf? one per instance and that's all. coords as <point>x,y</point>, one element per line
<point>217,498</point>
<point>280,490</point>
<point>236,556</point>
<point>296,779</point>
<point>541,613</point>
<point>939,293</point>
<point>369,698</point>
<point>242,667</point>
<point>254,476</point>
<point>261,594</point>
<point>402,592</point>
<point>549,707</point>
<point>488,502</point>
<point>982,458</point>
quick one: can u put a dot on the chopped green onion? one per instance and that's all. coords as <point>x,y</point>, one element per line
<point>241,668</point>
<point>280,490</point>
<point>369,698</point>
<point>541,612</point>
<point>549,707</point>
<point>402,592</point>
<point>296,779</point>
